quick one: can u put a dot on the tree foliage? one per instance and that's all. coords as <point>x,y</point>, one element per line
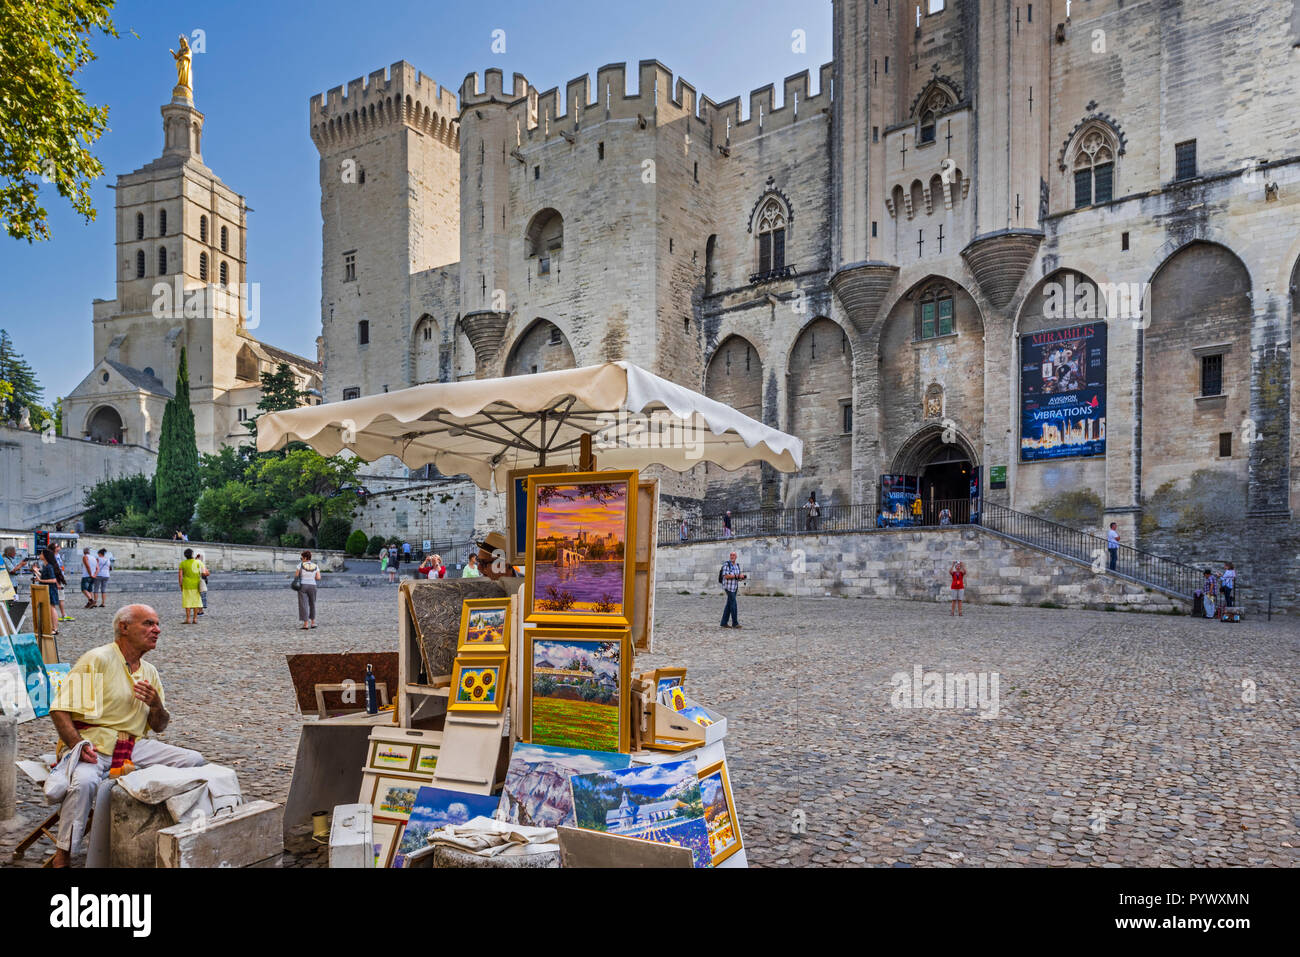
<point>18,386</point>
<point>176,480</point>
<point>46,125</point>
<point>110,500</point>
<point>334,533</point>
<point>279,392</point>
<point>305,485</point>
<point>356,543</point>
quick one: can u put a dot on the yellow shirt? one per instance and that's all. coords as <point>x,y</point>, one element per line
<point>100,690</point>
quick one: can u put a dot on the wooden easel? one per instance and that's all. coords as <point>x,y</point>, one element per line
<point>43,624</point>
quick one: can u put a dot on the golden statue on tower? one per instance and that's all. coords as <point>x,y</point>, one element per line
<point>184,83</point>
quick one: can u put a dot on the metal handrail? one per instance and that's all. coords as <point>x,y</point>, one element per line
<point>1141,566</point>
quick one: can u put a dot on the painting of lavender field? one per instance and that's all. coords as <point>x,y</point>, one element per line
<point>579,549</point>
<point>654,802</point>
<point>536,791</point>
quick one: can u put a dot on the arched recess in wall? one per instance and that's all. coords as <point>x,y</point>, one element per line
<point>544,239</point>
<point>819,403</point>
<point>425,343</point>
<point>735,377</point>
<point>464,361</point>
<point>931,360</point>
<point>543,347</point>
<point>711,265</point>
<point>1196,378</point>
<point>104,425</point>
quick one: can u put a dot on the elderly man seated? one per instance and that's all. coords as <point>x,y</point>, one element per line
<point>111,699</point>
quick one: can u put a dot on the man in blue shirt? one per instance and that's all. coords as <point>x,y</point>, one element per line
<point>731,576</point>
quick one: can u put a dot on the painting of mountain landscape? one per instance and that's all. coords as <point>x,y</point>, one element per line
<point>656,802</point>
<point>576,693</point>
<point>536,792</point>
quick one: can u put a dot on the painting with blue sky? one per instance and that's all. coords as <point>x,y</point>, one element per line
<point>436,808</point>
<point>652,802</point>
<point>536,791</point>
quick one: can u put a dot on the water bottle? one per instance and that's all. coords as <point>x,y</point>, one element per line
<point>372,695</point>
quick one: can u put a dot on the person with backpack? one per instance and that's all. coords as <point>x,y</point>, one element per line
<point>729,577</point>
<point>304,580</point>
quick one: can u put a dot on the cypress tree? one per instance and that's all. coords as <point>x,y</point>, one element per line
<point>23,391</point>
<point>176,481</point>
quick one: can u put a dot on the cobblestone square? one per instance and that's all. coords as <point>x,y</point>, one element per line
<point>1119,739</point>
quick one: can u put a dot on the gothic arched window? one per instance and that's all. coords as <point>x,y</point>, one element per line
<point>162,222</point>
<point>139,264</point>
<point>934,316</point>
<point>771,236</point>
<point>1094,169</point>
<point>139,225</point>
<point>203,267</point>
<point>224,238</point>
<point>225,274</point>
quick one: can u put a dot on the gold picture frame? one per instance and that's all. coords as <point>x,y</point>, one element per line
<point>426,758</point>
<point>570,535</point>
<point>391,756</point>
<point>572,720</point>
<point>517,508</point>
<point>468,644</point>
<point>719,830</point>
<point>386,833</point>
<point>479,685</point>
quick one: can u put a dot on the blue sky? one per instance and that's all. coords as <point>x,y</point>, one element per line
<point>262,63</point>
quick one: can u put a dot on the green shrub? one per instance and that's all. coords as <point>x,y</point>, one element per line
<point>333,533</point>
<point>356,543</point>
<point>275,527</point>
<point>376,545</point>
<point>292,540</point>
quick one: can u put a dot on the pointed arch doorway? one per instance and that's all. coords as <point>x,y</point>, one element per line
<point>946,471</point>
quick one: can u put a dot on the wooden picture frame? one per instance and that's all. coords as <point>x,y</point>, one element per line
<point>391,756</point>
<point>426,759</point>
<point>467,646</point>
<point>479,685</point>
<point>573,598</point>
<point>384,783</point>
<point>669,743</point>
<point>665,674</point>
<point>517,533</point>
<point>387,834</point>
<point>719,773</point>
<point>564,723</point>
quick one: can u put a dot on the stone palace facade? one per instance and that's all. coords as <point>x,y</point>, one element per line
<point>909,259</point>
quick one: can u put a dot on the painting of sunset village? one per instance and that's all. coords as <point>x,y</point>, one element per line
<point>578,550</point>
<point>724,839</point>
<point>655,802</point>
<point>575,693</point>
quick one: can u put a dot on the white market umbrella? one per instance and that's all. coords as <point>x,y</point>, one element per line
<point>483,428</point>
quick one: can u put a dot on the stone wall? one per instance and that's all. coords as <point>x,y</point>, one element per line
<point>44,482</point>
<point>909,564</point>
<point>146,553</point>
<point>439,511</point>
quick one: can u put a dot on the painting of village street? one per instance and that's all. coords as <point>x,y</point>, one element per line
<point>656,802</point>
<point>486,626</point>
<point>575,693</point>
<point>724,837</point>
<point>578,551</point>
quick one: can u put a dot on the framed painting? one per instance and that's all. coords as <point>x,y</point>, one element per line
<point>576,684</point>
<point>653,802</point>
<point>26,652</point>
<point>517,509</point>
<point>393,797</point>
<point>665,680</point>
<point>581,559</point>
<point>385,835</point>
<point>426,759</point>
<point>719,812</point>
<point>391,756</point>
<point>478,685</point>
<point>485,625</point>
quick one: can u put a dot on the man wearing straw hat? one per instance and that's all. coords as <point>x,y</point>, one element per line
<point>492,558</point>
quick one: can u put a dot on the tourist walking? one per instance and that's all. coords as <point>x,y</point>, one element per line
<point>730,576</point>
<point>1112,545</point>
<point>471,567</point>
<point>958,572</point>
<point>48,575</point>
<point>203,582</point>
<point>307,575</point>
<point>189,577</point>
<point>814,511</point>
<point>88,577</point>
<point>1228,585</point>
<point>394,562</point>
<point>683,533</point>
<point>945,516</point>
<point>103,569</point>
<point>726,525</point>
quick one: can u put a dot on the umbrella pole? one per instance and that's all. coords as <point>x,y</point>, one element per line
<point>586,461</point>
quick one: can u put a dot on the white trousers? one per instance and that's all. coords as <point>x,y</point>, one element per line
<point>84,791</point>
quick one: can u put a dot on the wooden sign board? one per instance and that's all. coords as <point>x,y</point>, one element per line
<point>579,848</point>
<point>643,585</point>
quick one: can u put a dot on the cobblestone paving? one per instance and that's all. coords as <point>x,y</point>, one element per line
<point>1120,739</point>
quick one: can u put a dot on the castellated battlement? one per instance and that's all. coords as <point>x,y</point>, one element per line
<point>399,95</point>
<point>658,99</point>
